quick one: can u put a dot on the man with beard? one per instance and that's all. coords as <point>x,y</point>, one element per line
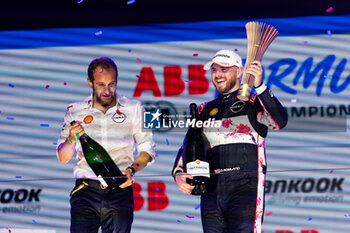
<point>115,122</point>
<point>234,201</point>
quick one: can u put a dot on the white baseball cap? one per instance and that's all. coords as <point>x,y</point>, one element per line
<point>226,58</point>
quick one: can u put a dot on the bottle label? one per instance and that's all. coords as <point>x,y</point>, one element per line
<point>198,168</point>
<point>102,181</point>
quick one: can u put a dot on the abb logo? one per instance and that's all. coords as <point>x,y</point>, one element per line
<point>173,83</point>
<point>157,198</point>
<point>302,231</point>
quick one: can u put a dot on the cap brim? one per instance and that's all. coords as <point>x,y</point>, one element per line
<point>207,65</point>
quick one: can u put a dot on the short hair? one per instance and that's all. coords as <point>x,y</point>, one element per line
<point>105,62</point>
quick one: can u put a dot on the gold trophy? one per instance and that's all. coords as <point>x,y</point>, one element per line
<point>259,35</point>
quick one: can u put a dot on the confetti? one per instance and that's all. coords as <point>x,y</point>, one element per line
<point>157,189</point>
<point>10,118</point>
<point>195,54</point>
<point>44,125</point>
<point>178,221</point>
<point>47,86</point>
<point>34,221</point>
<point>197,207</point>
<point>138,60</point>
<point>189,216</point>
<point>188,81</point>
<point>80,1</point>
<point>310,219</point>
<point>236,50</point>
<point>293,100</point>
<point>269,213</point>
<point>130,2</point>
<point>329,9</point>
<point>19,191</point>
<point>330,77</point>
<point>65,83</point>
<point>98,33</point>
<point>138,76</point>
<point>11,85</point>
<point>329,32</point>
<point>54,143</point>
<point>167,141</point>
<point>18,176</point>
<point>331,172</point>
<point>305,42</point>
<point>129,50</point>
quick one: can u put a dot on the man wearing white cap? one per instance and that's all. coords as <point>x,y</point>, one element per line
<point>234,202</point>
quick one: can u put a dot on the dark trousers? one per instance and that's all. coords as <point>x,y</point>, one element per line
<point>231,206</point>
<point>93,207</point>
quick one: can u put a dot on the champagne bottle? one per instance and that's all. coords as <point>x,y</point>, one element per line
<point>195,155</point>
<point>101,163</point>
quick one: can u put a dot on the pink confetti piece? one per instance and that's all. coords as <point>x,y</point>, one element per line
<point>269,213</point>
<point>80,1</point>
<point>65,83</point>
<point>138,76</point>
<point>236,50</point>
<point>138,60</point>
<point>331,171</point>
<point>47,86</point>
<point>195,54</point>
<point>98,33</point>
<point>329,9</point>
<point>189,216</point>
<point>18,191</point>
<point>130,2</point>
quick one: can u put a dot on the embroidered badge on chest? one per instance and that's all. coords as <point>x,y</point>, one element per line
<point>237,106</point>
<point>119,117</point>
<point>88,119</point>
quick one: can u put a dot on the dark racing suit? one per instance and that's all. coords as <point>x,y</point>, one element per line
<point>235,200</point>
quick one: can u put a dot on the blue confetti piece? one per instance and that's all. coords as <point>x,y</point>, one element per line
<point>130,2</point>
<point>305,42</point>
<point>10,118</point>
<point>11,85</point>
<point>157,189</point>
<point>188,81</point>
<point>310,219</point>
<point>55,143</point>
<point>197,207</point>
<point>167,141</point>
<point>34,221</point>
<point>18,176</point>
<point>44,125</point>
<point>129,50</point>
<point>329,32</point>
<point>178,221</point>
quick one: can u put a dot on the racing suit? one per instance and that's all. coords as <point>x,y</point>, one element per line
<point>235,199</point>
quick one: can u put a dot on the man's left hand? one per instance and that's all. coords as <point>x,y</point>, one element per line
<point>129,180</point>
<point>256,70</point>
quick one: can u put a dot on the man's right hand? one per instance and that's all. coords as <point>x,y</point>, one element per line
<point>180,179</point>
<point>73,130</point>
